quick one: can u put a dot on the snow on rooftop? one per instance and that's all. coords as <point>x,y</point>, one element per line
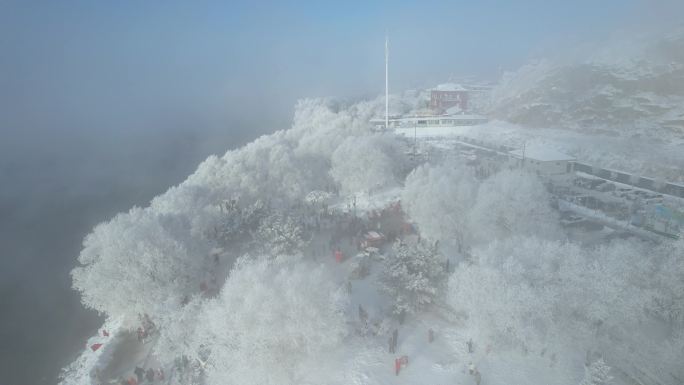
<point>449,87</point>
<point>457,109</point>
<point>433,132</point>
<point>541,153</point>
<point>432,117</point>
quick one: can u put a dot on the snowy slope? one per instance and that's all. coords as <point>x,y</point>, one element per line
<point>633,89</point>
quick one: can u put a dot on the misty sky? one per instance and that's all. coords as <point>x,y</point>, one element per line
<point>105,104</point>
<point>131,65</point>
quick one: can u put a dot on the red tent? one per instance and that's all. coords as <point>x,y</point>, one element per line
<point>94,347</point>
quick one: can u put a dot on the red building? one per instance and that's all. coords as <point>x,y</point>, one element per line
<point>446,96</point>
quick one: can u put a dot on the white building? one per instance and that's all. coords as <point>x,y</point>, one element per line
<point>543,160</point>
<point>420,121</point>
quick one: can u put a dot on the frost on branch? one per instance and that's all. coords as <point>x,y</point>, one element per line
<point>439,199</point>
<point>366,163</point>
<point>279,234</point>
<point>597,373</point>
<point>140,262</point>
<point>414,276</point>
<point>513,202</point>
<point>272,323</point>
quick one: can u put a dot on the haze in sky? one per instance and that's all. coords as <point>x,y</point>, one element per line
<point>103,105</point>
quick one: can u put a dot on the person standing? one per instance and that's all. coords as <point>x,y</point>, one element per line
<point>395,339</point>
<point>139,372</point>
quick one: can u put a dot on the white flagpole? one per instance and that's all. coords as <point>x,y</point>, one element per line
<point>386,83</point>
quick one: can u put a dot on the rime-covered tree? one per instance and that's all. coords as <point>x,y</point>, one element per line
<point>513,202</point>
<point>502,311</point>
<point>269,326</point>
<point>414,276</point>
<point>366,162</point>
<point>279,234</point>
<point>438,199</point>
<point>234,225</point>
<point>538,293</point>
<point>178,334</point>
<point>140,262</point>
<point>597,373</point>
<point>668,291</point>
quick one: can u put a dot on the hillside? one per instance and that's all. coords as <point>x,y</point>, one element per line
<point>324,254</point>
<point>633,89</point>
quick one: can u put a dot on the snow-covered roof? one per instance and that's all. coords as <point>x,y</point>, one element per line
<point>382,119</point>
<point>453,117</point>
<point>373,236</point>
<point>466,116</point>
<point>454,110</point>
<point>449,87</point>
<point>541,153</point>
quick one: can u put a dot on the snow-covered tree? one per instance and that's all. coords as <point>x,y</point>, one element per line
<point>320,125</point>
<point>272,324</point>
<point>178,332</point>
<point>365,163</point>
<point>597,373</point>
<point>438,199</point>
<point>513,202</point>
<point>140,262</point>
<point>538,293</point>
<point>503,311</point>
<point>668,291</point>
<point>414,276</point>
<point>235,224</point>
<point>279,234</point>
